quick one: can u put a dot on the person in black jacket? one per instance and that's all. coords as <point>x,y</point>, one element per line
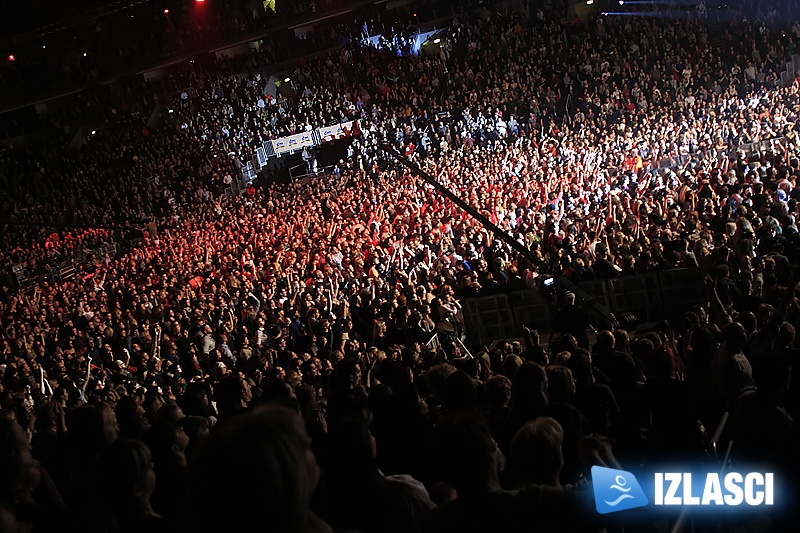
<point>572,320</point>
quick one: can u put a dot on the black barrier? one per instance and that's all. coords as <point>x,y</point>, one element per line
<point>649,297</point>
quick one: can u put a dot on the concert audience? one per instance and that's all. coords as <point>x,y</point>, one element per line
<point>630,146</point>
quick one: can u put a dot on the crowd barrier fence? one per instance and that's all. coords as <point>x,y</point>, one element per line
<point>650,297</point>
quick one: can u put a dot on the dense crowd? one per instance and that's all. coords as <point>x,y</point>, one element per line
<point>268,358</point>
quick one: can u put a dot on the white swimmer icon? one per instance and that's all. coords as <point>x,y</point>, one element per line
<point>620,486</point>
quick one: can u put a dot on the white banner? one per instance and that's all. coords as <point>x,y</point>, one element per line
<point>299,141</point>
<point>293,142</point>
<point>339,131</point>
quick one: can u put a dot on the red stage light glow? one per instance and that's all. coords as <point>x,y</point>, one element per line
<point>11,57</point>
